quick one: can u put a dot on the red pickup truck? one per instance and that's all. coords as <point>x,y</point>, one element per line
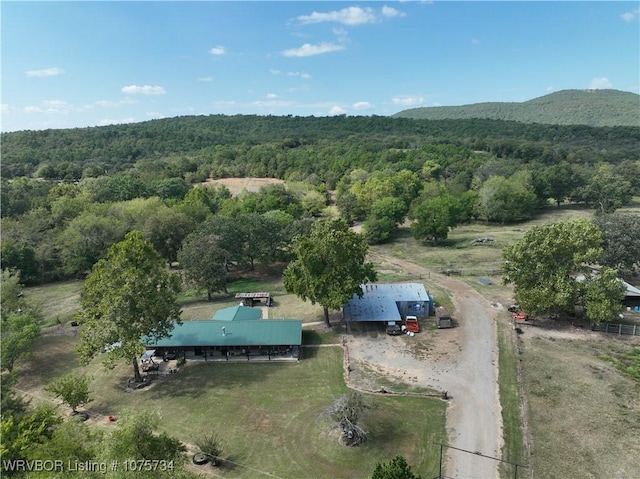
<point>411,323</point>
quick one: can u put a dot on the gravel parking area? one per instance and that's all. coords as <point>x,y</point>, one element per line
<point>462,361</point>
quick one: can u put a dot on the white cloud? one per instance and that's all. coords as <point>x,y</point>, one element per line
<point>346,16</point>
<point>341,34</point>
<point>204,79</point>
<point>219,50</point>
<point>144,90</point>
<point>155,115</point>
<point>108,121</point>
<point>308,50</point>
<point>55,103</point>
<point>407,100</point>
<point>550,88</point>
<point>5,108</point>
<point>45,72</point>
<point>391,12</point>
<point>271,96</point>
<point>600,84</point>
<point>113,104</point>
<point>630,16</point>
<point>475,41</point>
<point>337,110</point>
<point>362,105</point>
<point>33,109</point>
<point>303,75</point>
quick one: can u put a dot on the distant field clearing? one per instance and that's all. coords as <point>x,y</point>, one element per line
<point>237,185</point>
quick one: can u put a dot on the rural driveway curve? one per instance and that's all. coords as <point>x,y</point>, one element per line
<point>466,367</point>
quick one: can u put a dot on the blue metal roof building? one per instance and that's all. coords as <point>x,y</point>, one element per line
<point>388,302</point>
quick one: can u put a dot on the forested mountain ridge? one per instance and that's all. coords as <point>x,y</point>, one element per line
<point>566,107</point>
<point>276,146</point>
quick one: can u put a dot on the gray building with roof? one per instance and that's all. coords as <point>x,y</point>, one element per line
<point>388,302</point>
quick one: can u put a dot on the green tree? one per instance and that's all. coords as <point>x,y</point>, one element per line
<point>20,257</point>
<point>137,437</point>
<point>20,332</point>
<point>349,207</point>
<point>505,200</point>
<point>330,265</point>
<point>378,230</point>
<point>71,442</point>
<point>86,239</point>
<point>204,262</point>
<point>601,295</point>
<point>543,265</point>
<point>621,240</point>
<point>165,230</point>
<point>11,294</point>
<point>396,468</point>
<point>73,389</point>
<point>433,218</point>
<point>128,296</point>
<point>559,181</point>
<point>607,191</point>
<point>21,432</point>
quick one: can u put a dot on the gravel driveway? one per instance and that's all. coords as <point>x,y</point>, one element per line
<point>462,361</point>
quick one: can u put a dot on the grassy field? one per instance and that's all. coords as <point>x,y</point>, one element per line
<point>266,414</point>
<point>584,413</point>
<point>513,449</point>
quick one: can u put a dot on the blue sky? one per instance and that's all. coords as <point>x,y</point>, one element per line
<point>78,64</point>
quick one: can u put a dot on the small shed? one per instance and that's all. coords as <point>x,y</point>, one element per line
<point>631,296</point>
<point>250,299</point>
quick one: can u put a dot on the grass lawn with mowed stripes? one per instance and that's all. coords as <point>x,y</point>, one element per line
<point>265,413</point>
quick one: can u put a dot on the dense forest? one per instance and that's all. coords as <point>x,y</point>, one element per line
<point>67,195</point>
<point>566,107</point>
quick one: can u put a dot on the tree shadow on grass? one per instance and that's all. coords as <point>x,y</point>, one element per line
<point>197,380</point>
<point>54,356</point>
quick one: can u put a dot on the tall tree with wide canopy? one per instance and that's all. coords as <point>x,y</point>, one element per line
<point>621,241</point>
<point>204,262</point>
<point>329,266</point>
<point>550,268</point>
<point>128,295</point>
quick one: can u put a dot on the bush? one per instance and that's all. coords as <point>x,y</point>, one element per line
<point>211,446</point>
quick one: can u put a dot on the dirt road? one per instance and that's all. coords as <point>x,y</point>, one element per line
<point>462,361</point>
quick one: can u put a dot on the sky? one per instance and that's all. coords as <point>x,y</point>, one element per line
<point>89,63</point>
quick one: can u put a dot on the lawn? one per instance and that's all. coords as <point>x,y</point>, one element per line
<point>584,413</point>
<point>513,449</point>
<point>266,414</point>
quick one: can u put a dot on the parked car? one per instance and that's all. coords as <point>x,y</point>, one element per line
<point>443,318</point>
<point>169,355</point>
<point>411,323</point>
<point>394,329</point>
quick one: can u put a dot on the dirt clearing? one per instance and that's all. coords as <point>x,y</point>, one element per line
<point>238,185</point>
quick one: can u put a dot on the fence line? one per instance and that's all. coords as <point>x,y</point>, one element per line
<point>617,328</point>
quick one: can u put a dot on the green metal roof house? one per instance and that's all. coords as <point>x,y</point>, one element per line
<point>237,313</point>
<point>233,339</point>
